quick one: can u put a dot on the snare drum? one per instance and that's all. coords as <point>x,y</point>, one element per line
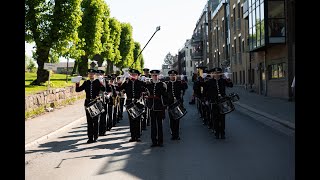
<point>225,105</point>
<point>176,110</point>
<point>135,109</point>
<point>234,97</point>
<point>95,108</point>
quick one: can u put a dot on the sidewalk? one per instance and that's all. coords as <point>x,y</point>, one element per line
<point>41,127</point>
<point>278,110</point>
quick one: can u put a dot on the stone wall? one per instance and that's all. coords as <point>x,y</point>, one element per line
<point>50,96</point>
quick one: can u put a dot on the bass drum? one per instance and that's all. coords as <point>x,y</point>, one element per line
<point>135,109</point>
<point>225,105</point>
<point>176,110</point>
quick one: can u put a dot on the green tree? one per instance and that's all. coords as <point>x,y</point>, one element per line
<point>50,24</point>
<point>31,65</point>
<point>113,56</point>
<point>91,31</point>
<point>138,59</point>
<point>126,46</point>
<point>106,51</point>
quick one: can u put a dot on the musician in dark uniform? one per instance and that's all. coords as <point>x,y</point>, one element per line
<point>145,121</point>
<point>92,88</point>
<point>175,89</point>
<point>110,105</point>
<point>115,98</point>
<point>103,116</point>
<point>156,102</point>
<point>146,72</point>
<point>122,98</point>
<point>216,89</point>
<point>133,89</point>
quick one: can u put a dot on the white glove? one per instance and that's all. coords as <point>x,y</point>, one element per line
<point>126,75</point>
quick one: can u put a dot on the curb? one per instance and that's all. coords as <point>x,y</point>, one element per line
<point>269,116</point>
<point>41,139</point>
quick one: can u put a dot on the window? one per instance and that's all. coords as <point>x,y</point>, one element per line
<point>242,46</point>
<point>236,78</point>
<point>240,74</point>
<point>244,77</point>
<point>190,63</point>
<point>276,71</point>
<point>239,10</point>
<point>276,21</point>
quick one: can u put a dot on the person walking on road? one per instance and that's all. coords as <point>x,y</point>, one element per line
<point>214,90</point>
<point>156,102</point>
<point>92,87</point>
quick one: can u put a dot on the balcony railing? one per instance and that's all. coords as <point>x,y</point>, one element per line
<point>197,38</point>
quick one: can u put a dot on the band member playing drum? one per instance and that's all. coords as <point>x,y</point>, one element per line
<point>133,89</point>
<point>156,102</point>
<point>175,89</point>
<point>215,90</point>
<point>92,88</point>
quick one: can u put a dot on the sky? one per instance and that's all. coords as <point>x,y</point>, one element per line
<point>177,19</point>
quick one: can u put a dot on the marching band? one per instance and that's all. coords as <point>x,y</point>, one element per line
<point>148,96</point>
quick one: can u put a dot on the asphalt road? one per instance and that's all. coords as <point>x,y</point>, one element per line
<point>251,151</point>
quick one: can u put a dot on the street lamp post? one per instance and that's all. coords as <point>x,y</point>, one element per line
<point>157,29</point>
<point>67,70</point>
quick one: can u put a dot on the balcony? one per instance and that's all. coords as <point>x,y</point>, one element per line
<point>196,56</point>
<point>196,38</point>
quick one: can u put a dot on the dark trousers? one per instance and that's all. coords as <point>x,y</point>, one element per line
<point>218,121</point>
<point>174,126</point>
<point>144,119</point>
<point>103,121</point>
<point>135,127</point>
<point>110,116</point>
<point>156,127</point>
<point>120,113</point>
<point>93,126</point>
<point>115,115</point>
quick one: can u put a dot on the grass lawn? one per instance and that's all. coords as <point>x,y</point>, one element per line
<point>56,81</point>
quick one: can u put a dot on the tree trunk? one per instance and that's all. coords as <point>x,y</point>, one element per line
<point>109,67</point>
<point>74,70</point>
<point>83,66</point>
<point>42,55</point>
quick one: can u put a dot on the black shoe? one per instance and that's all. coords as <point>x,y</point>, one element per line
<point>178,138</point>
<point>131,140</point>
<point>90,141</point>
<point>96,140</point>
<point>153,145</point>
<point>138,140</point>
<point>160,145</point>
